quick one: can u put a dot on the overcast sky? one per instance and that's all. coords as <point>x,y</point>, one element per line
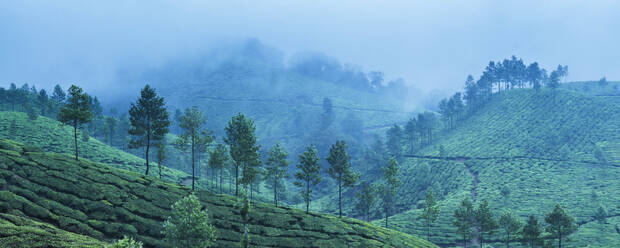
<point>431,44</point>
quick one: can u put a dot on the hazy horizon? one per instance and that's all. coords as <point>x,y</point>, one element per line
<point>432,46</point>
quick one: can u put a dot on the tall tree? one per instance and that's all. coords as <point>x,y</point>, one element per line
<point>277,167</point>
<point>328,116</point>
<point>531,232</point>
<point>308,174</point>
<point>340,169</point>
<point>43,102</point>
<point>244,211</point>
<point>218,160</point>
<point>560,223</point>
<point>510,224</point>
<point>366,198</point>
<point>430,212</point>
<point>149,121</point>
<point>390,187</point>
<point>109,129</point>
<point>464,220</point>
<point>485,222</point>
<point>75,112</point>
<point>241,138</point>
<point>161,156</point>
<point>188,225</point>
<point>195,136</point>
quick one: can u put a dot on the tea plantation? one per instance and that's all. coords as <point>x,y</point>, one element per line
<point>105,203</point>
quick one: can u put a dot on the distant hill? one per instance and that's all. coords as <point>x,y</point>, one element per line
<point>545,148</point>
<point>102,202</point>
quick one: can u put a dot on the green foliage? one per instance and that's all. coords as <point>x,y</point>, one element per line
<point>126,242</point>
<point>560,223</point>
<point>431,211</point>
<point>241,138</point>
<point>340,169</point>
<point>188,225</point>
<point>308,174</point>
<point>601,214</point>
<point>390,187</point>
<point>277,167</point>
<point>218,160</point>
<point>195,136</point>
<point>531,233</point>
<point>510,224</point>
<point>464,217</point>
<point>75,112</point>
<point>149,121</point>
<point>366,197</point>
<point>485,222</point>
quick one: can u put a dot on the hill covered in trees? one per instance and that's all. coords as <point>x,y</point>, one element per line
<point>103,202</point>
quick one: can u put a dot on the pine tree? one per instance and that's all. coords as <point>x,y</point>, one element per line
<point>394,141</point>
<point>244,211</point>
<point>340,169</point>
<point>188,225</point>
<point>430,212</point>
<point>464,220</point>
<point>485,222</point>
<point>75,112</point>
<point>277,167</point>
<point>308,175</point>
<point>390,187</point>
<point>149,121</point>
<point>531,232</point>
<point>409,131</point>
<point>195,136</point>
<point>241,138</point>
<point>366,198</point>
<point>560,223</point>
<point>510,224</point>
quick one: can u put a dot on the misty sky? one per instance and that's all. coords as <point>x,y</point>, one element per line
<point>431,44</point>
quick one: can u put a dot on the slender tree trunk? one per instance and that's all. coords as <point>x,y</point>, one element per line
<point>560,238</point>
<point>428,230</point>
<point>221,175</point>
<point>386,217</point>
<point>193,166</point>
<point>507,240</point>
<point>340,197</point>
<point>307,195</point>
<point>75,139</point>
<point>275,190</point>
<point>236,180</point>
<point>148,146</point>
<point>481,239</point>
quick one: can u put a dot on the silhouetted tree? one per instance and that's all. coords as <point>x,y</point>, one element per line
<point>308,173</point>
<point>149,121</point>
<point>464,217</point>
<point>75,112</point>
<point>560,223</point>
<point>161,156</point>
<point>510,224</point>
<point>218,160</point>
<point>394,141</point>
<point>390,187</point>
<point>195,136</point>
<point>365,198</point>
<point>430,211</point>
<point>340,169</point>
<point>241,138</point>
<point>531,232</point>
<point>485,222</point>
<point>277,167</point>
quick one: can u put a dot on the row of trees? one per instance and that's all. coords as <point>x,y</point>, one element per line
<point>480,221</point>
<point>497,77</point>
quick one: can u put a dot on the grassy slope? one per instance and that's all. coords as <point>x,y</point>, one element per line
<point>18,231</point>
<point>529,124</point>
<point>103,202</point>
<point>51,136</point>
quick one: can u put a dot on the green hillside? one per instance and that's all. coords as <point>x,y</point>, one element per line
<point>51,136</point>
<point>545,149</point>
<point>18,231</point>
<point>99,201</point>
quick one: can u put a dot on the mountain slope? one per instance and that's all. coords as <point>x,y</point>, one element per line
<point>544,148</point>
<point>51,136</point>
<point>104,202</point>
